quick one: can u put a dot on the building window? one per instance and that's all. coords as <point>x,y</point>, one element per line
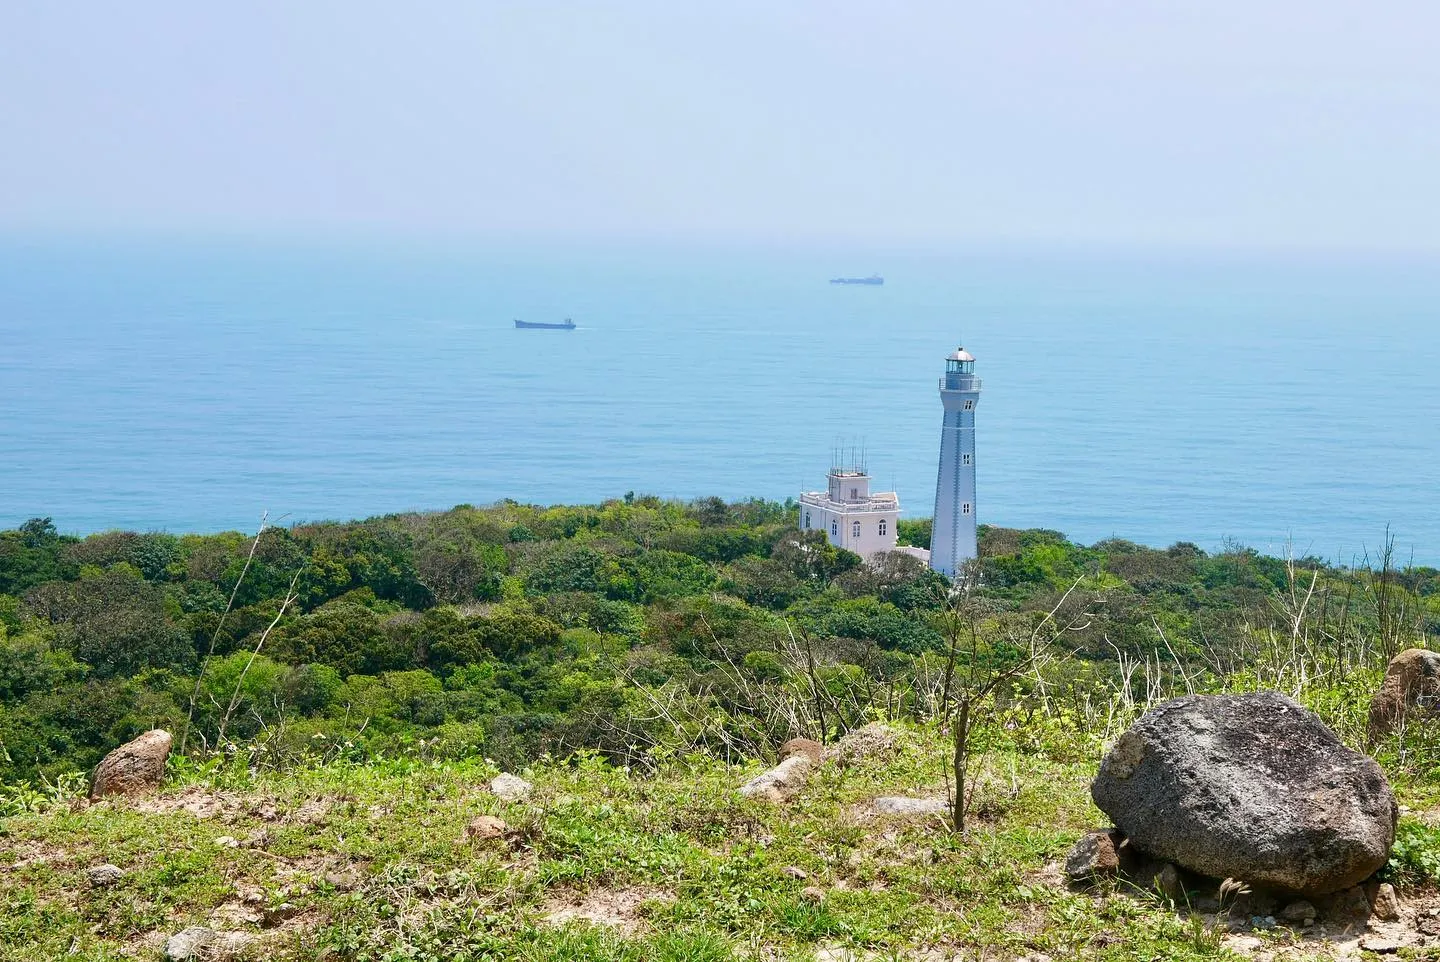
<point>964,459</point>
<point>969,405</point>
<point>834,527</point>
<point>882,527</point>
<point>807,514</point>
<point>855,529</point>
<point>854,494</point>
<point>965,508</point>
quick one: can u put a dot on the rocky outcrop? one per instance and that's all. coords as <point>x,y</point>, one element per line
<point>808,747</point>
<point>1412,681</point>
<point>134,768</point>
<point>1251,787</point>
<point>905,806</point>
<point>875,740</point>
<point>800,756</point>
<point>780,783</point>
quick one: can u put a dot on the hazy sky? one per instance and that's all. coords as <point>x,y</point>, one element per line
<point>1272,123</point>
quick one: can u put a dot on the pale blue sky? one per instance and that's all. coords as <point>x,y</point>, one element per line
<point>1230,123</point>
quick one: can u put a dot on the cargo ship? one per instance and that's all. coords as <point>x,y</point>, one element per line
<point>566,325</point>
<point>872,279</point>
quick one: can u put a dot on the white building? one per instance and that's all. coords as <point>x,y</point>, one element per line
<point>952,539</point>
<point>850,515</point>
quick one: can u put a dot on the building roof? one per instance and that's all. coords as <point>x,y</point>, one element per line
<point>960,355</point>
<point>877,501</point>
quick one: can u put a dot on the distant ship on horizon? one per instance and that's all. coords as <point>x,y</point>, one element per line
<point>872,279</point>
<point>566,325</point>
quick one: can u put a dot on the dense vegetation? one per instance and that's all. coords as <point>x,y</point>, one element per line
<point>513,631</point>
<point>344,691</point>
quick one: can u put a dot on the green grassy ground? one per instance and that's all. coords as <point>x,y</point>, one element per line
<point>373,862</point>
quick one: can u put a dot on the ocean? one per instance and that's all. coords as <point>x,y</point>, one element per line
<point>1281,403</point>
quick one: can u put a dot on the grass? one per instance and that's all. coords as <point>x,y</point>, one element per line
<point>372,862</point>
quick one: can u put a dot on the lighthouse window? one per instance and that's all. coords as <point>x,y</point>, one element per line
<point>969,405</point>
<point>807,514</point>
<point>882,527</point>
<point>965,508</point>
<point>855,530</point>
<point>835,528</point>
<point>964,459</point>
<point>854,494</point>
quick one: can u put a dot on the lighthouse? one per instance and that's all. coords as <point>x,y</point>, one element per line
<point>952,540</point>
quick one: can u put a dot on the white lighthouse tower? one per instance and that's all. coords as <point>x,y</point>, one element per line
<point>952,540</point>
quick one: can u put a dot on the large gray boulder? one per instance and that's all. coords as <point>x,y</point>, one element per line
<point>1252,787</point>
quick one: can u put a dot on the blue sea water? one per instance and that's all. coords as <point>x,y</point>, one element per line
<point>190,387</point>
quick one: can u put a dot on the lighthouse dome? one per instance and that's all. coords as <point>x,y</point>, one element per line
<point>961,355</point>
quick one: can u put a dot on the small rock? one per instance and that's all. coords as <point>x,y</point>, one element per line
<point>1428,925</point>
<point>1300,911</point>
<point>250,894</point>
<point>510,788</point>
<point>187,943</point>
<point>486,827</point>
<point>1254,902</point>
<point>1386,904</point>
<point>794,872</point>
<point>811,893</point>
<point>1262,921</point>
<point>1347,907</point>
<point>808,747</point>
<point>226,841</point>
<point>343,880</point>
<point>280,913</point>
<point>101,876</point>
<point>1379,945</point>
<point>198,942</point>
<point>1168,883</point>
<point>134,768</point>
<point>900,805</point>
<point>1096,854</point>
